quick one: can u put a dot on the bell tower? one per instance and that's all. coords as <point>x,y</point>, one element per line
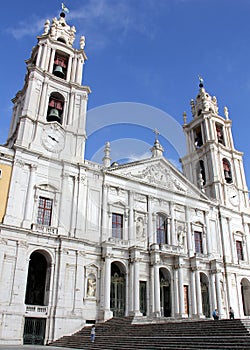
<point>212,163</point>
<point>49,113</point>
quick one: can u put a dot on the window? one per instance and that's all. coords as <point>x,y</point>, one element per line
<point>227,170</point>
<point>161,228</point>
<point>117,225</point>
<point>198,242</point>
<point>44,211</point>
<point>201,175</point>
<point>239,250</point>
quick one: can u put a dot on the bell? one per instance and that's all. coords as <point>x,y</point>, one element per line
<point>227,175</point>
<point>58,71</point>
<point>53,115</point>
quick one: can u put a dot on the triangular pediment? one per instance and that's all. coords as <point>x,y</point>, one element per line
<point>158,172</point>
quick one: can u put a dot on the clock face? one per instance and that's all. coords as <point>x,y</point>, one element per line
<point>53,138</point>
<point>233,196</point>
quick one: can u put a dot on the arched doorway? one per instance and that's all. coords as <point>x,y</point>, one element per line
<point>37,293</point>
<point>245,293</point>
<point>36,281</point>
<point>165,292</point>
<point>205,295</point>
<point>118,290</point>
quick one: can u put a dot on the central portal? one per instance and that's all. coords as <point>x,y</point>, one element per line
<point>118,291</point>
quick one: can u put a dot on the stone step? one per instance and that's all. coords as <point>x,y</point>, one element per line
<point>123,334</point>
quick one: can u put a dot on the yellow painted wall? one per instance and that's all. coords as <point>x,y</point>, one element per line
<point>4,187</point>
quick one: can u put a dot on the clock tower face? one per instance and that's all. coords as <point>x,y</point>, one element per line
<point>233,196</point>
<point>53,138</point>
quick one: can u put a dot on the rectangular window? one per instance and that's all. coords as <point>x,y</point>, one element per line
<point>198,242</point>
<point>161,229</point>
<point>44,211</point>
<point>239,250</point>
<point>117,225</point>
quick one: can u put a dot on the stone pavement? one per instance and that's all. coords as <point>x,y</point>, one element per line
<point>30,347</point>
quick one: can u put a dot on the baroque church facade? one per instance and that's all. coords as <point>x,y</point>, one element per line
<point>82,242</point>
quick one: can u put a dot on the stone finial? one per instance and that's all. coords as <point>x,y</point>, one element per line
<point>184,118</point>
<point>226,112</point>
<point>106,160</point>
<point>82,42</point>
<point>46,27</point>
<point>157,150</point>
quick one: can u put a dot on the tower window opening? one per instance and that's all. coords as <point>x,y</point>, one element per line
<point>227,170</point>
<point>62,40</point>
<point>55,108</point>
<point>201,172</point>
<point>198,141</point>
<point>60,66</point>
<point>219,133</point>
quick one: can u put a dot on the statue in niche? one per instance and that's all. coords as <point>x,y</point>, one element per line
<point>91,286</point>
<point>139,227</point>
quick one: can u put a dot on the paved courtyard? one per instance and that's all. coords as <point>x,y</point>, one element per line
<point>29,347</point>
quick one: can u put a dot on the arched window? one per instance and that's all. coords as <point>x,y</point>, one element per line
<point>219,133</point>
<point>55,108</point>
<point>198,140</point>
<point>227,170</point>
<point>201,175</point>
<point>162,229</point>
<point>60,64</point>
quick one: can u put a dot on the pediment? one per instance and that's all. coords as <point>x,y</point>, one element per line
<point>158,173</point>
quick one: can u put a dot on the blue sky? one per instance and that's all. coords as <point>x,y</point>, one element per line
<point>145,52</point>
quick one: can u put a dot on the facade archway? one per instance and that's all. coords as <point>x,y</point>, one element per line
<point>38,280</point>
<point>245,294</point>
<point>165,292</point>
<point>205,295</point>
<point>118,290</point>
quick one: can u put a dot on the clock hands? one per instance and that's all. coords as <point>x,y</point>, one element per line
<point>52,138</point>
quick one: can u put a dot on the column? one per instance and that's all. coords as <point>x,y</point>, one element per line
<point>189,233</point>
<point>62,220</point>
<point>105,228</point>
<point>172,224</point>
<point>69,68</point>
<point>131,223</point>
<point>73,71</point>
<point>193,293</point>
<point>29,201</point>
<point>52,59</point>
<point>213,296</point>
<point>70,108</point>
<point>106,278</point>
<point>198,293</point>
<point>136,286</point>
<point>74,205</point>
<point>218,295</point>
<point>150,222</point>
<point>43,102</point>
<point>175,297</point>
<point>47,61</point>
<point>181,289</point>
<point>81,203</point>
<point>44,56</point>
<point>208,233</point>
<point>151,292</point>
<point>157,291</point>
<point>231,241</point>
<point>79,71</point>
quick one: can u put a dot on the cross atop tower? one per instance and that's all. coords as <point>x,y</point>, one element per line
<point>157,133</point>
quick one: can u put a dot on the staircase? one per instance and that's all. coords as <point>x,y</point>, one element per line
<point>120,333</point>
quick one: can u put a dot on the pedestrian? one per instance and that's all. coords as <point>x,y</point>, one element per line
<point>215,314</point>
<point>231,313</point>
<point>92,333</point>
